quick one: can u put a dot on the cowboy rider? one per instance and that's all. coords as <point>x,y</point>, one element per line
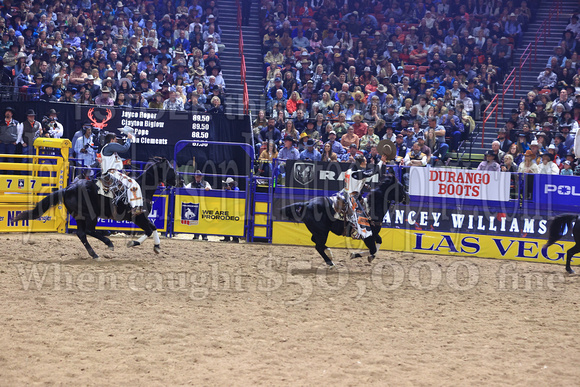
<point>111,171</point>
<point>355,179</point>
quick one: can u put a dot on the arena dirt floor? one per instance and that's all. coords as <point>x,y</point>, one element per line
<point>214,313</point>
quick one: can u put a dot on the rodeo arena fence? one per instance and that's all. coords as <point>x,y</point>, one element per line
<point>450,211</point>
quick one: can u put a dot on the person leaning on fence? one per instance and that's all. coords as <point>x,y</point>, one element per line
<point>528,165</point>
<point>491,162</point>
<point>548,166</point>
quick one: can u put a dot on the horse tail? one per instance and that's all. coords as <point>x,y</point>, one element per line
<point>42,206</point>
<point>556,229</point>
<point>294,211</point>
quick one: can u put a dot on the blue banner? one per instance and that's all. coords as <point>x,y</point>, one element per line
<point>556,191</point>
<point>158,216</point>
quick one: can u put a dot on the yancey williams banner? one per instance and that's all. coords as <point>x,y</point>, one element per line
<point>459,183</point>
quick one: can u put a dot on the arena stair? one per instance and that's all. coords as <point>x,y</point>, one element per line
<point>231,60</point>
<point>529,76</point>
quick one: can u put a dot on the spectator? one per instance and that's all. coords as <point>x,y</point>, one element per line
<point>334,144</point>
<point>548,166</point>
<point>288,152</point>
<point>415,158</point>
<point>436,140</point>
<point>327,154</point>
<point>104,98</point>
<point>270,132</point>
<point>491,162</point>
<point>508,164</point>
<point>547,78</point>
<point>528,165</point>
<point>350,138</point>
<point>293,102</point>
<point>567,169</point>
<point>310,154</point>
<point>503,140</point>
<point>369,139</point>
<point>465,100</point>
<point>453,128</point>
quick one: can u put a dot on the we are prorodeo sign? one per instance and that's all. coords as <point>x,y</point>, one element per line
<point>459,183</point>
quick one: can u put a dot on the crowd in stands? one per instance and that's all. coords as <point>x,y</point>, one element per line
<point>162,55</point>
<point>342,75</point>
<point>540,135</point>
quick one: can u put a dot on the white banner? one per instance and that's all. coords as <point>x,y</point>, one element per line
<point>459,183</point>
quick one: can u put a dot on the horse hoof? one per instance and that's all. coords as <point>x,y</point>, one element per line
<point>95,256</point>
<point>157,249</point>
<point>371,258</point>
<point>133,243</point>
<point>355,255</point>
<point>111,247</point>
<point>570,271</point>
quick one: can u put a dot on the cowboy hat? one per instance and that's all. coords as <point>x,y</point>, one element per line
<point>387,148</point>
<point>492,153</point>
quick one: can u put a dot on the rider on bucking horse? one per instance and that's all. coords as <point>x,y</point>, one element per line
<point>355,179</point>
<point>113,177</point>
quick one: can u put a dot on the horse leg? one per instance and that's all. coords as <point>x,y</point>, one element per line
<point>81,233</point>
<point>320,243</point>
<point>90,230</point>
<point>569,254</point>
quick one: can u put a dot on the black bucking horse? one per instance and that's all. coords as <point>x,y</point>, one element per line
<point>558,227</point>
<point>318,216</point>
<point>84,203</point>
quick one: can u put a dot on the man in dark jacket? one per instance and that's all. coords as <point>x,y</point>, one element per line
<point>26,132</point>
<point>8,132</point>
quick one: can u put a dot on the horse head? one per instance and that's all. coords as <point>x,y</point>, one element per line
<point>392,189</point>
<point>158,170</point>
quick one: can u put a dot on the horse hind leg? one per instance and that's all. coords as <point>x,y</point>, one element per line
<point>90,230</point>
<point>323,250</point>
<point>102,238</point>
<point>569,254</point>
<point>82,235</point>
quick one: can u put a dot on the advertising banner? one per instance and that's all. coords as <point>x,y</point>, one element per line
<point>557,190</point>
<point>51,221</point>
<point>158,215</point>
<point>210,212</point>
<point>319,175</point>
<point>430,242</point>
<point>459,183</point>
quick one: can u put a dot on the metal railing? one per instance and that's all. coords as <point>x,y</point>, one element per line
<point>515,76</point>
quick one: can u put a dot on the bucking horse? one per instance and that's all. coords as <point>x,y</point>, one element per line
<point>86,205</point>
<point>318,215</point>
